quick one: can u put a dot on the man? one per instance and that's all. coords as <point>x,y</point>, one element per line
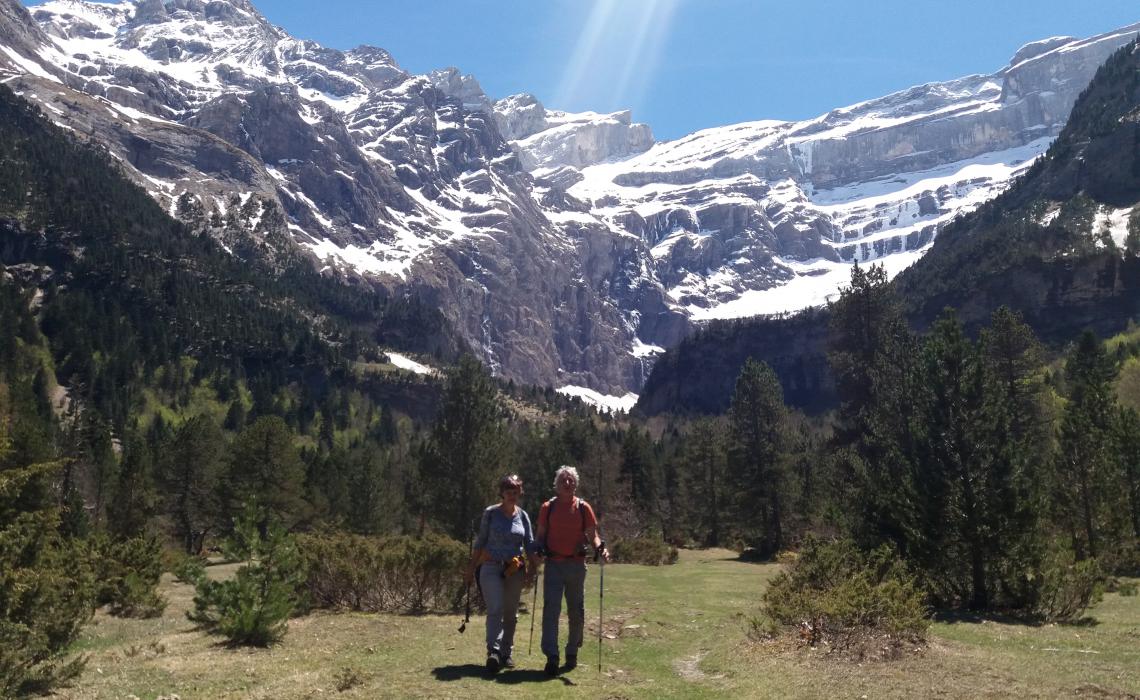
<point>566,524</point>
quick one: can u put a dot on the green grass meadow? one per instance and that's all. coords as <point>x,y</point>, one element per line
<point>672,631</point>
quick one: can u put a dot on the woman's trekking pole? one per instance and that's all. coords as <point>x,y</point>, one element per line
<point>467,611</point>
<point>533,609</point>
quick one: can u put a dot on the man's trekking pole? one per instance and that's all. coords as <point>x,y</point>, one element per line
<point>601,599</point>
<point>602,573</point>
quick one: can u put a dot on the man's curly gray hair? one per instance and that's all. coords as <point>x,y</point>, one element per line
<point>566,469</point>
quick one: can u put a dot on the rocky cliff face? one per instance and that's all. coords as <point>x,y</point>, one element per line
<point>1059,247</point>
<point>405,179</point>
<point>766,217</point>
<point>568,249</point>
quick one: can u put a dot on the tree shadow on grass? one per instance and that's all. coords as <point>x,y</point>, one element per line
<point>964,616</point>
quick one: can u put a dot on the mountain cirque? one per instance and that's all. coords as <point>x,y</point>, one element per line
<point>567,249</point>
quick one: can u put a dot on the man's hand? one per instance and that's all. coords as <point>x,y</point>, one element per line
<point>601,551</point>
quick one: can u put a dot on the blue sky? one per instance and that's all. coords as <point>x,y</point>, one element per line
<point>683,65</point>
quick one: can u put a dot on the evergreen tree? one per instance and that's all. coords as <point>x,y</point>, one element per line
<point>756,464</point>
<point>466,451</point>
<point>1128,445</point>
<point>134,499</point>
<point>961,473</point>
<point>1086,480</point>
<point>253,607</point>
<point>1016,428</point>
<point>706,483</point>
<point>46,587</point>
<point>264,465</point>
<point>876,362</point>
<point>639,472</point>
<point>190,474</point>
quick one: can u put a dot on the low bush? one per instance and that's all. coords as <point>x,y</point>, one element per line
<point>253,608</point>
<point>1066,588</point>
<point>127,574</point>
<point>188,569</point>
<point>838,595</point>
<point>384,574</point>
<point>1127,588</point>
<point>643,550</point>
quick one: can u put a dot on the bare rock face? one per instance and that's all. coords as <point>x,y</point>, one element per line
<point>567,249</point>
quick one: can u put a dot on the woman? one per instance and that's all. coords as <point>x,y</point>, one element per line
<point>504,555</point>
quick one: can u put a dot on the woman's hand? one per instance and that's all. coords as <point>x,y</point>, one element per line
<point>532,564</point>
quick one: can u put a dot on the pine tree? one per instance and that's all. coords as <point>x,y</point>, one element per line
<point>190,472</point>
<point>639,472</point>
<point>1087,480</point>
<point>263,465</point>
<point>756,464</point>
<point>961,471</point>
<point>1016,427</point>
<point>253,607</point>
<point>467,449</point>
<point>46,587</point>
<point>706,485</point>
<point>1128,445</point>
<point>134,497</point>
<point>883,396</point>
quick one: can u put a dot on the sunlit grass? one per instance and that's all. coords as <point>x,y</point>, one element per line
<point>674,631</point>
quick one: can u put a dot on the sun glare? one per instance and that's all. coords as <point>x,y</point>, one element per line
<point>617,55</point>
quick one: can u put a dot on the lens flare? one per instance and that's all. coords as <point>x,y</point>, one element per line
<point>617,54</point>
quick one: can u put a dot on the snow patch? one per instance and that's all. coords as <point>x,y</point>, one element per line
<point>603,402</point>
<point>406,363</point>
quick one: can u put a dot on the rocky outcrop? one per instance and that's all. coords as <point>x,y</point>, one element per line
<point>567,248</point>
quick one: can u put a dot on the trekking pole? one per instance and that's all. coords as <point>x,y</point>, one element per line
<point>602,573</point>
<point>533,609</point>
<point>467,607</point>
<point>466,612</point>
<point>601,600</point>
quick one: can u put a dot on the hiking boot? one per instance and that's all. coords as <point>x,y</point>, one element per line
<point>493,663</point>
<point>509,662</point>
<point>551,666</point>
<point>571,662</point>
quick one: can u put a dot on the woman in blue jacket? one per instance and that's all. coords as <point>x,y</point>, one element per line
<point>504,555</point>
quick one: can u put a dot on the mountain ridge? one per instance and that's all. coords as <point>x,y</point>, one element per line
<point>550,267</point>
<point>1061,247</point>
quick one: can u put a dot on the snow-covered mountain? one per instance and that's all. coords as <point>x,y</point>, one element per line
<point>568,249</point>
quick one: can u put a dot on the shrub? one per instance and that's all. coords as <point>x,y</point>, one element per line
<point>838,595</point>
<point>253,608</point>
<point>1126,588</point>
<point>188,569</point>
<point>1067,587</point>
<point>127,575</point>
<point>643,550</point>
<point>388,574</point>
<point>347,679</point>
